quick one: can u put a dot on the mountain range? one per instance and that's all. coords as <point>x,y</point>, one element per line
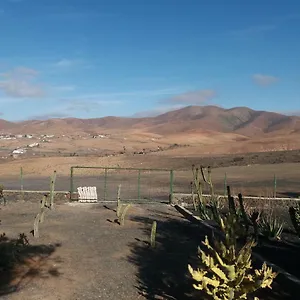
<point>191,119</point>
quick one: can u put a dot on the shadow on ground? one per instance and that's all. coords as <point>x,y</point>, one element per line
<point>291,194</point>
<point>21,262</point>
<point>162,271</point>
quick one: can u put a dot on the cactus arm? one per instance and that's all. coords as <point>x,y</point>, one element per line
<point>153,234</point>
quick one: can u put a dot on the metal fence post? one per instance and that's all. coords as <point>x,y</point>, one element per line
<point>171,186</point>
<point>275,186</point>
<point>21,178</point>
<point>139,184</point>
<point>105,183</point>
<point>22,182</point>
<point>225,184</point>
<point>71,183</point>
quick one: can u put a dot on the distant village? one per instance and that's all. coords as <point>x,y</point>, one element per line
<point>43,138</point>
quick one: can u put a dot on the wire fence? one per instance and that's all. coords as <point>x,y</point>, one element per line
<point>137,184</point>
<point>156,184</point>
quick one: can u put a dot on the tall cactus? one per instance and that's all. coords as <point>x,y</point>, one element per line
<point>243,213</point>
<point>231,204</point>
<point>52,187</point>
<point>119,204</point>
<point>207,179</point>
<point>197,185</point>
<point>295,218</point>
<point>153,234</point>
<point>123,214</point>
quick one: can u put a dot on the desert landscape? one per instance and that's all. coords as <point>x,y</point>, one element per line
<point>249,146</point>
<point>145,159</point>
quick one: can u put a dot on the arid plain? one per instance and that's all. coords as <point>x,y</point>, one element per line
<point>230,140</point>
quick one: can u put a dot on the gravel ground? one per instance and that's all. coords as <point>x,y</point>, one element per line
<point>82,253</point>
<point>91,252</point>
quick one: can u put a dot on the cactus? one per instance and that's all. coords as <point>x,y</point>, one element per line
<point>205,213</point>
<point>52,186</point>
<point>208,179</point>
<point>123,214</point>
<point>153,234</point>
<point>227,273</point>
<point>254,217</point>
<point>36,226</point>
<point>244,215</point>
<point>119,205</point>
<point>40,217</point>
<point>295,218</point>
<point>196,208</point>
<point>197,184</point>
<point>231,204</point>
<point>2,194</point>
<point>43,206</point>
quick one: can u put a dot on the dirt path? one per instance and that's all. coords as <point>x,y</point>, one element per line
<point>90,257</point>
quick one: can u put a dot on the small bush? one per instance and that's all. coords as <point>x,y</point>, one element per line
<point>270,227</point>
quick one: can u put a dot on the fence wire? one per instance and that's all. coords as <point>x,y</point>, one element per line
<point>136,184</point>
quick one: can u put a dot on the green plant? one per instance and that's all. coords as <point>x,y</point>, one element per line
<point>119,204</point>
<point>197,185</point>
<point>123,213</point>
<point>243,214</point>
<point>231,204</point>
<point>52,186</point>
<point>294,213</point>
<point>40,217</point>
<point>226,271</point>
<point>153,234</point>
<point>10,249</point>
<point>205,210</point>
<point>270,227</point>
<point>2,194</point>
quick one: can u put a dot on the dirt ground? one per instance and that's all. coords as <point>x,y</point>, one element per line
<point>85,254</point>
<point>251,173</point>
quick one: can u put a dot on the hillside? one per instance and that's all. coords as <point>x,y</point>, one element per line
<point>191,119</point>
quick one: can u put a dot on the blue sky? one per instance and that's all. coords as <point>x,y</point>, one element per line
<point>92,58</point>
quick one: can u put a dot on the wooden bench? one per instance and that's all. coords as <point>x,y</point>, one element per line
<point>87,194</point>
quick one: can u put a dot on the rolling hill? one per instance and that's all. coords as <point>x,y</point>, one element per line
<point>191,119</point>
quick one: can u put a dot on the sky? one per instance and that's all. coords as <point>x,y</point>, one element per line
<point>95,58</point>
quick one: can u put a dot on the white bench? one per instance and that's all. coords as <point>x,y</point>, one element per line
<point>87,194</point>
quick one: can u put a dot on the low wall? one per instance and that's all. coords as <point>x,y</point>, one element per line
<point>35,196</point>
<point>260,202</point>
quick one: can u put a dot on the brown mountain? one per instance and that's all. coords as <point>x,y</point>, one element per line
<point>239,120</point>
<point>5,125</point>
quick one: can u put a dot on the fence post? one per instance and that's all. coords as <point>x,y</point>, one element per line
<point>105,183</point>
<point>275,186</point>
<point>225,184</point>
<point>21,182</point>
<point>71,183</point>
<point>171,186</point>
<point>139,184</point>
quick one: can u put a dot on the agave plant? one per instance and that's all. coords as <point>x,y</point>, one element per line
<point>226,270</point>
<point>271,227</point>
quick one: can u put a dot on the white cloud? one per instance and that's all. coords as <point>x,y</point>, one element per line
<point>192,98</point>
<point>21,83</point>
<point>264,80</point>
<point>47,116</point>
